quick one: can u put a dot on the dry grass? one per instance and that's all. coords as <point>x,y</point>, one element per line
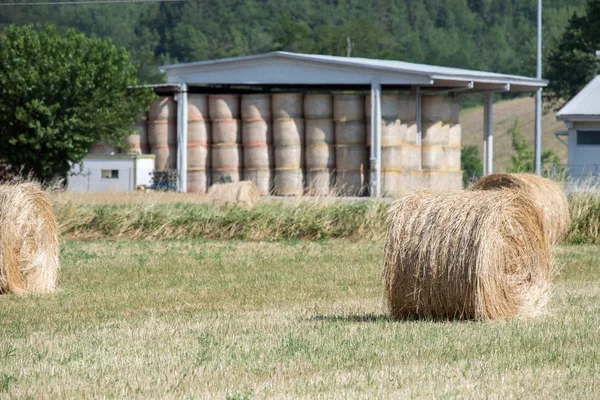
<point>28,240</point>
<point>304,218</point>
<point>243,194</point>
<point>466,255</point>
<point>125,198</point>
<point>547,195</point>
<point>256,320</point>
<point>179,216</point>
<point>584,209</point>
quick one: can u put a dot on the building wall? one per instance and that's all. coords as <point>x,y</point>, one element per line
<point>145,167</point>
<point>111,174</point>
<point>583,160</point>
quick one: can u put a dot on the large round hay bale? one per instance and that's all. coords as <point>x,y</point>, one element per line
<point>28,240</point>
<point>477,255</point>
<point>243,194</point>
<point>546,194</point>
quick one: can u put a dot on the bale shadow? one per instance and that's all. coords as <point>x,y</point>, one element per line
<point>380,318</point>
<point>353,318</point>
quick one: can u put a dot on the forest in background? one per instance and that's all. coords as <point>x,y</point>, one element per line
<point>486,35</point>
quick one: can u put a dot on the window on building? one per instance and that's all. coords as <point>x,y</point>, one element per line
<point>588,138</point>
<point>110,174</point>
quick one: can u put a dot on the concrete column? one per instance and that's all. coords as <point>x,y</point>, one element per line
<point>182,117</point>
<point>488,134</point>
<point>375,175</point>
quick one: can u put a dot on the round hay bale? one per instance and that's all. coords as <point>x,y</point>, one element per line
<point>28,240</point>
<point>477,255</point>
<point>546,194</point>
<point>243,194</point>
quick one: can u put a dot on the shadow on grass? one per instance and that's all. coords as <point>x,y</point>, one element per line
<point>379,318</point>
<point>354,318</point>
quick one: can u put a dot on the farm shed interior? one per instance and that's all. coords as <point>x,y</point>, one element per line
<point>298,123</point>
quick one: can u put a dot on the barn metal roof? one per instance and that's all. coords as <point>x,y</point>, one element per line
<point>283,68</point>
<point>585,105</point>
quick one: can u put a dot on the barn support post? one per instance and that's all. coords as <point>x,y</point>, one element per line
<point>538,94</point>
<point>182,117</point>
<point>488,134</point>
<point>375,175</point>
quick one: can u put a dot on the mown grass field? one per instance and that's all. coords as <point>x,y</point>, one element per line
<point>287,319</point>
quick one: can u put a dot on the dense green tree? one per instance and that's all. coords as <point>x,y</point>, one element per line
<point>486,35</point>
<point>470,163</point>
<point>572,63</point>
<point>522,159</point>
<point>59,93</point>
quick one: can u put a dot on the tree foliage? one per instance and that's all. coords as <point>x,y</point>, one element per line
<point>572,63</point>
<point>470,164</point>
<point>59,94</point>
<point>523,160</point>
<point>478,34</point>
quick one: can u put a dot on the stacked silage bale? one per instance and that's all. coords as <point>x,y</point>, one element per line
<point>411,177</point>
<point>257,138</point>
<point>400,152</point>
<point>198,144</point>
<point>101,148</point>
<point>352,155</point>
<point>440,141</point>
<point>288,143</point>
<point>226,146</point>
<point>162,133</point>
<point>320,144</point>
<point>137,142</point>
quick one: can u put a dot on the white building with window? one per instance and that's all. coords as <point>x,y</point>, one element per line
<point>581,116</point>
<point>111,173</point>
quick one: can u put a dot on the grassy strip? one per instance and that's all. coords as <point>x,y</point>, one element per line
<point>585,220</point>
<point>269,220</point>
<point>306,220</point>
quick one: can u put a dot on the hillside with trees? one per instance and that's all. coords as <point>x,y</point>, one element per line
<point>477,34</point>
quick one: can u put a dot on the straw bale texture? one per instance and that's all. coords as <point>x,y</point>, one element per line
<point>243,193</point>
<point>476,255</point>
<point>545,194</point>
<point>28,240</point>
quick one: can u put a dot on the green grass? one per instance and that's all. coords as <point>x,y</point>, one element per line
<point>304,219</point>
<point>585,217</point>
<point>295,319</point>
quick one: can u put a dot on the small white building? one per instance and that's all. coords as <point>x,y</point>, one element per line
<point>111,173</point>
<point>581,116</point>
